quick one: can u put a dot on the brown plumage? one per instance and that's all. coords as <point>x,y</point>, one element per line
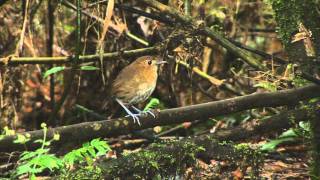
<point>135,83</point>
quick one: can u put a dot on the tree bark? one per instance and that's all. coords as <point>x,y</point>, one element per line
<point>79,133</point>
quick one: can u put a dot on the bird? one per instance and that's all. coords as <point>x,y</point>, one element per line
<point>135,84</point>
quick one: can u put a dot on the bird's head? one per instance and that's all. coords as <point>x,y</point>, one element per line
<point>150,61</point>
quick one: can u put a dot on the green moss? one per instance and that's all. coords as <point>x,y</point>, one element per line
<point>250,158</point>
<point>83,172</point>
<point>159,160</point>
<point>287,15</point>
<point>242,147</point>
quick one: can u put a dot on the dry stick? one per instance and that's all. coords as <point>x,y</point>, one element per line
<point>79,133</point>
<point>19,46</point>
<point>106,23</point>
<point>133,10</point>
<point>257,52</point>
<point>212,79</point>
<point>153,16</point>
<point>100,46</point>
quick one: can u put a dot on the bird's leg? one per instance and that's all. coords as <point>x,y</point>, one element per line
<point>143,112</point>
<point>136,109</point>
<point>134,116</point>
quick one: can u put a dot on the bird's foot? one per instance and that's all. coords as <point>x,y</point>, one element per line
<point>135,117</point>
<point>149,112</point>
<point>144,113</point>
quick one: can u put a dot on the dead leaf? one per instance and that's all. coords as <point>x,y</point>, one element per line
<point>237,174</point>
<point>107,21</point>
<point>305,35</point>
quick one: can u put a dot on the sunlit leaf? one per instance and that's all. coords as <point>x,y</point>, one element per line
<point>154,102</point>
<point>267,85</point>
<point>89,68</point>
<point>288,133</point>
<point>271,145</point>
<point>53,71</point>
<point>21,139</point>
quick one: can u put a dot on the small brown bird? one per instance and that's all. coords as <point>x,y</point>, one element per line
<point>135,83</point>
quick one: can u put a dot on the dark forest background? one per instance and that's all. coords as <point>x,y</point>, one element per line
<point>249,67</point>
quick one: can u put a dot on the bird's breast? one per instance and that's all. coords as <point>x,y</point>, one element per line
<point>135,86</point>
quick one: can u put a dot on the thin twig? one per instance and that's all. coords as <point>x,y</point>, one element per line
<point>24,26</point>
<point>50,40</point>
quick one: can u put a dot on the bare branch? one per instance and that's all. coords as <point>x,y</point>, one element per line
<point>107,128</point>
<point>84,58</point>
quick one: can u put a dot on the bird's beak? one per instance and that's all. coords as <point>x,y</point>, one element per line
<point>161,62</point>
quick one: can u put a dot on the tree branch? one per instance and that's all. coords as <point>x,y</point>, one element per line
<point>85,58</point>
<point>107,128</point>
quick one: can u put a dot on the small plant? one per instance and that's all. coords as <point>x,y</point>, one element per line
<point>32,163</point>
<point>286,136</point>
<point>290,135</point>
<point>7,132</point>
<point>87,152</point>
<point>270,86</point>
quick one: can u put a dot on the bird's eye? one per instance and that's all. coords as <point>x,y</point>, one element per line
<point>149,62</point>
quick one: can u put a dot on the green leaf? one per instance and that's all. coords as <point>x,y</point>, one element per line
<point>70,158</point>
<point>50,161</point>
<point>305,126</point>
<point>271,145</point>
<point>89,68</point>
<point>267,85</point>
<point>33,177</point>
<point>21,139</point>
<point>85,145</point>
<point>47,143</point>
<point>68,28</point>
<point>27,155</point>
<point>8,131</point>
<point>87,152</point>
<point>23,169</point>
<point>53,71</point>
<point>154,102</point>
<point>288,133</point>
<point>42,151</point>
<point>92,152</point>
<point>38,141</point>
